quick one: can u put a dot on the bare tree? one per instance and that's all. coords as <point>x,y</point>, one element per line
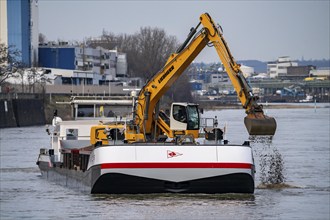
<point>36,78</point>
<point>9,62</point>
<point>42,38</point>
<point>151,49</point>
<point>20,73</point>
<point>32,74</point>
<point>148,50</point>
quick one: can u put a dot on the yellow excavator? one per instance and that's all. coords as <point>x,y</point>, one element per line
<point>151,124</point>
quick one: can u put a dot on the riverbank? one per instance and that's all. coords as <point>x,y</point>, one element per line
<point>32,110</point>
<point>39,110</point>
<point>270,106</point>
<point>21,113</point>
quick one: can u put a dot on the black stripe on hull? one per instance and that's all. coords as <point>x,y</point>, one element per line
<point>116,183</point>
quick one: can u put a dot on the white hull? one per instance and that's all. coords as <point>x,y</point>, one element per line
<point>163,168</point>
<point>173,163</point>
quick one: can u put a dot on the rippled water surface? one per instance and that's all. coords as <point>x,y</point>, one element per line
<point>302,139</point>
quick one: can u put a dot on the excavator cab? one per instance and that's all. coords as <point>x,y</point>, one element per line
<point>184,119</point>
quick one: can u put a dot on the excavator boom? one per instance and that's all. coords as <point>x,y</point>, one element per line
<point>146,113</point>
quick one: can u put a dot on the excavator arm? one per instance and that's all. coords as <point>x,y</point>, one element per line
<point>256,122</point>
<point>146,109</point>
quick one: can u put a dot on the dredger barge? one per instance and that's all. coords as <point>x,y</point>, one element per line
<point>179,165</point>
<point>149,151</point>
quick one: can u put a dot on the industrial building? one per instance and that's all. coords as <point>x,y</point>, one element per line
<point>79,64</point>
<point>19,28</point>
<point>298,72</point>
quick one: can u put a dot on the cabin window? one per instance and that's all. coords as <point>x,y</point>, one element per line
<point>86,111</point>
<point>71,134</point>
<point>193,117</point>
<point>179,113</point>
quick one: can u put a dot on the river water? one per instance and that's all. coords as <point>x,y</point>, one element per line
<point>301,140</point>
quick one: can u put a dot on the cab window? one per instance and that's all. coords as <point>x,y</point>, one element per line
<point>179,113</point>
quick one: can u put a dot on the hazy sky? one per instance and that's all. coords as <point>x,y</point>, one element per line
<point>261,30</point>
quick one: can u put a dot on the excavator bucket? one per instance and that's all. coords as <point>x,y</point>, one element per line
<point>257,125</point>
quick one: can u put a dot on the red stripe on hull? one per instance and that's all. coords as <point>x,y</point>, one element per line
<point>176,165</point>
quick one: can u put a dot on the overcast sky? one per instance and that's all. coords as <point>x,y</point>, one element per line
<point>262,30</point>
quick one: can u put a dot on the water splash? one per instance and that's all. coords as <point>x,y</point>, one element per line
<point>272,167</point>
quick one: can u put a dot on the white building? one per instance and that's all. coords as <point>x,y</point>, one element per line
<point>218,78</point>
<point>279,67</point>
<point>98,60</point>
<point>121,65</point>
<point>34,28</point>
<point>3,23</point>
